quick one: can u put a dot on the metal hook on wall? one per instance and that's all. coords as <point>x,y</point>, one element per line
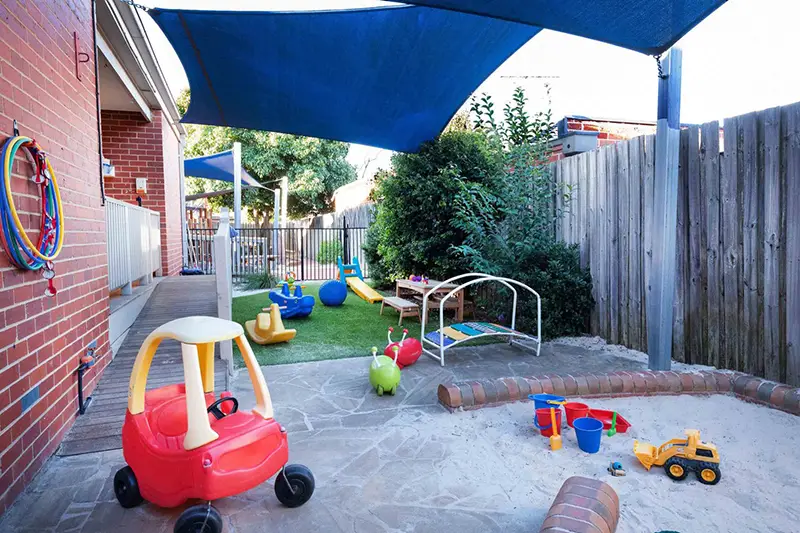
<point>80,57</point>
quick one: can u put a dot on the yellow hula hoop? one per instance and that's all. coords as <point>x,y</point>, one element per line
<point>13,208</point>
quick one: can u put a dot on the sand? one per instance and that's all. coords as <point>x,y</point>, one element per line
<point>597,344</point>
<point>758,491</point>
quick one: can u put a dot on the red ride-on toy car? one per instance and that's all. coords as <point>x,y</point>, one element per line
<point>181,443</point>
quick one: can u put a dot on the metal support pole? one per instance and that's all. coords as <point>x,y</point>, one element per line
<point>284,200</point>
<point>345,241</point>
<point>184,223</point>
<point>275,224</point>
<point>237,185</point>
<point>662,280</point>
<point>302,257</point>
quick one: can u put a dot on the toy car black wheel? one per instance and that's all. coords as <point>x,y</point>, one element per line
<point>676,468</point>
<point>126,488</point>
<point>708,473</point>
<point>294,485</point>
<point>202,518</point>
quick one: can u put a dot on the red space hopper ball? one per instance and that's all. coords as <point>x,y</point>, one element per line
<point>410,349</point>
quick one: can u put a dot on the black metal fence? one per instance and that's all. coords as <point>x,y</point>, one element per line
<point>308,252</point>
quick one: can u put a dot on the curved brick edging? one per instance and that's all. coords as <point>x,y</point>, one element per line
<point>482,393</point>
<point>583,505</point>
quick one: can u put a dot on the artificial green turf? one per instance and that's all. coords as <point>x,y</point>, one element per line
<point>349,330</point>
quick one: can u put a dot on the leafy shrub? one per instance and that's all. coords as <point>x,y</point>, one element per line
<point>482,201</point>
<point>329,251</point>
<point>413,231</point>
<point>262,280</point>
<point>510,233</point>
<point>565,289</point>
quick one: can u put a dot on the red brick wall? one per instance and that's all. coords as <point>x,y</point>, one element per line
<point>134,147</point>
<point>41,339</point>
<point>171,228</point>
<point>137,149</point>
<point>609,131</point>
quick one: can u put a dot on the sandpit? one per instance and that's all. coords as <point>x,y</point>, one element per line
<point>758,447</point>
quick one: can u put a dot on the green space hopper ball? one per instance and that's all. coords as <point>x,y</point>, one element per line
<point>384,374</point>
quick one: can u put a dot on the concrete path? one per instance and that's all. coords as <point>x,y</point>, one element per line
<point>100,428</point>
<point>382,464</point>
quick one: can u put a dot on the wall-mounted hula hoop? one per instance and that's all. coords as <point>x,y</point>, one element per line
<point>15,241</point>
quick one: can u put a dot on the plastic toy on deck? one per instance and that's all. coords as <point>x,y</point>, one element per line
<point>409,349</point>
<point>268,328</point>
<point>292,305</point>
<point>180,442</point>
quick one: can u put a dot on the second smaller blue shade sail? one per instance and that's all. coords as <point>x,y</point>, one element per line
<point>216,167</point>
<point>389,77</point>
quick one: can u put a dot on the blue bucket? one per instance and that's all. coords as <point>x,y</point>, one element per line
<point>588,431</point>
<point>540,400</point>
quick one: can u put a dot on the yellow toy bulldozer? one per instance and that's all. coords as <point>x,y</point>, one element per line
<point>681,456</point>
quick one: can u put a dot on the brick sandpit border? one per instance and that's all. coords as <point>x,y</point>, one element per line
<point>475,394</point>
<point>583,505</point>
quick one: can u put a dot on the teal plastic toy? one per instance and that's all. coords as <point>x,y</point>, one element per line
<point>384,374</point>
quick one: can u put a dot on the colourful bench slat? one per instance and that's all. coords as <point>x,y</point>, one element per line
<point>463,328</point>
<point>434,337</point>
<point>483,327</point>
<point>454,334</point>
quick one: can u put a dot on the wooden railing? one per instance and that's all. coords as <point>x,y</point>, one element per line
<point>133,244</point>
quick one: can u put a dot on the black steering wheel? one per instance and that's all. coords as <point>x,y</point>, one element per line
<point>217,412</point>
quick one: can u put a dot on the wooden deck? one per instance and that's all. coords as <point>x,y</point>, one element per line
<point>101,427</point>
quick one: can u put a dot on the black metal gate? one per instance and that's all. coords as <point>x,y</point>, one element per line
<point>310,253</point>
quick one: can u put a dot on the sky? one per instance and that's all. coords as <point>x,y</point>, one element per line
<point>742,58</point>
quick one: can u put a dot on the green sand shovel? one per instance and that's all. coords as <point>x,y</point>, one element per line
<point>613,430</point>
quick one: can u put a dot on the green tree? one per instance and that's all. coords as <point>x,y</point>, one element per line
<point>509,230</point>
<point>413,231</point>
<point>315,167</point>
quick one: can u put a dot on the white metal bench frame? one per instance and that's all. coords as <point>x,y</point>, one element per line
<point>471,279</point>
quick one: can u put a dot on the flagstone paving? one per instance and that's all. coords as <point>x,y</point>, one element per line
<point>382,464</point>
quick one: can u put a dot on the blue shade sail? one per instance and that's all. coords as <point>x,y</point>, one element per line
<point>386,77</point>
<point>647,26</point>
<point>216,167</point>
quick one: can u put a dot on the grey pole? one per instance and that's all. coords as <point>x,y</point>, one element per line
<point>284,199</point>
<point>661,283</point>
<point>237,185</point>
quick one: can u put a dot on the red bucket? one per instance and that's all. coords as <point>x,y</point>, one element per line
<point>575,410</point>
<point>543,422</point>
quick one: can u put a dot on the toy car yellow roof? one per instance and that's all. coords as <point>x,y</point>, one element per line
<point>197,335</point>
<point>199,330</point>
